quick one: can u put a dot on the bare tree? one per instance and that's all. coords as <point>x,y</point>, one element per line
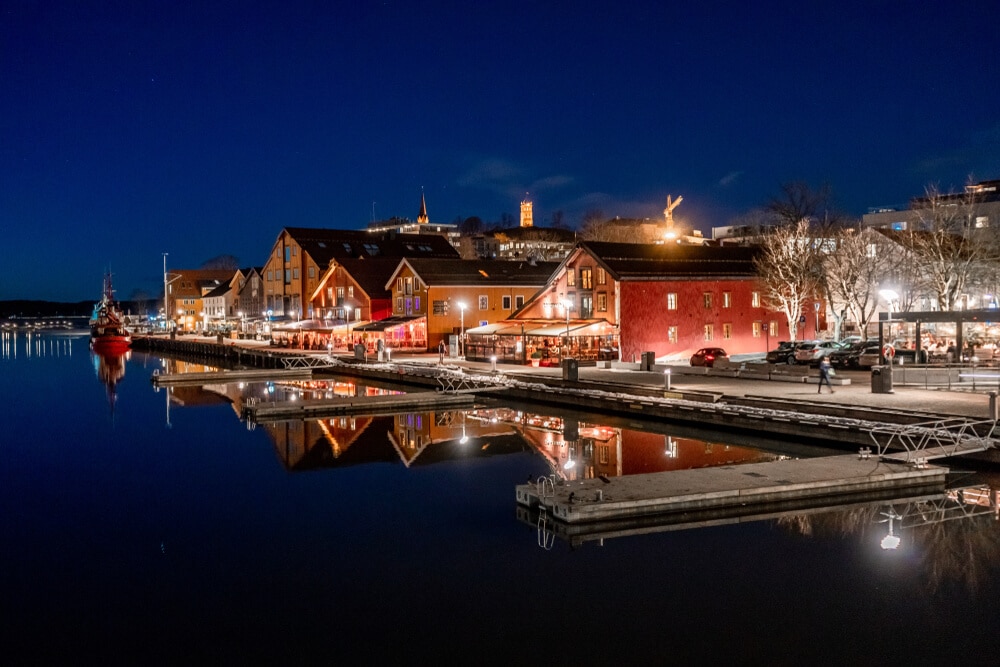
<point>947,246</point>
<point>857,260</point>
<point>228,262</point>
<point>798,202</point>
<point>789,267</point>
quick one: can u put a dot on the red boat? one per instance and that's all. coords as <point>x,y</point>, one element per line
<point>107,324</point>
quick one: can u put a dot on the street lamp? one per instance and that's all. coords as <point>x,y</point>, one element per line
<point>461,337</point>
<point>347,318</point>
<point>567,304</point>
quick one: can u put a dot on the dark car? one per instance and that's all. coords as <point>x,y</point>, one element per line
<point>706,356</point>
<point>847,357</point>
<point>783,354</point>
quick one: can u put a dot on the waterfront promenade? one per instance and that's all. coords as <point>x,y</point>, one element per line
<point>935,403</point>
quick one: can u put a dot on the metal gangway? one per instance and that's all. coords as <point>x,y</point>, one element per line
<point>307,361</point>
<point>456,381</point>
<point>924,441</point>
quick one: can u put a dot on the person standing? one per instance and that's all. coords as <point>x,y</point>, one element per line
<point>824,375</point>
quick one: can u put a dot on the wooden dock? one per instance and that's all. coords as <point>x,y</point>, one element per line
<point>223,377</point>
<point>756,484</point>
<point>363,405</point>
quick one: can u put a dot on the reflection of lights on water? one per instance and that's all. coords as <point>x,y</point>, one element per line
<point>890,542</point>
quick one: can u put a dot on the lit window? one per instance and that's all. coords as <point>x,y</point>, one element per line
<point>755,299</point>
<point>772,328</point>
<point>727,299</point>
<point>672,301</point>
<point>707,298</point>
<point>758,327</point>
<point>602,276</point>
<point>727,331</point>
<point>602,302</point>
<point>571,277</point>
<point>709,332</point>
<point>671,334</point>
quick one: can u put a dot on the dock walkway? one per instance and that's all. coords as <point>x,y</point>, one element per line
<point>756,484</point>
<point>368,405</point>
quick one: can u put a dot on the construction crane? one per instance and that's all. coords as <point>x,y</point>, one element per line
<point>668,212</point>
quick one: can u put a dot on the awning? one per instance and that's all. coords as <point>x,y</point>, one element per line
<point>387,323</point>
<point>542,328</point>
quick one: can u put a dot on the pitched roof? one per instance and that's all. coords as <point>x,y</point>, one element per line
<point>642,261</point>
<point>439,272</point>
<point>326,244</point>
<point>221,290</point>
<point>372,274</point>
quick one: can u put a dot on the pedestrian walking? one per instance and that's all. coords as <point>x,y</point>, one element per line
<point>825,371</point>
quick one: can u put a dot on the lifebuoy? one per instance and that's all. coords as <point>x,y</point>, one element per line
<point>888,351</point>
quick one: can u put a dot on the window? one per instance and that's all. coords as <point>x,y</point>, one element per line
<point>440,307</point>
<point>484,302</point>
<point>709,332</point>
<point>755,299</point>
<point>758,327</point>
<point>270,276</point>
<point>350,292</point>
<point>602,302</point>
<point>707,298</point>
<point>772,328</point>
<point>571,277</point>
<point>586,280</point>
<point>408,285</point>
<point>671,334</point>
<point>399,304</point>
<point>288,276</point>
<point>727,299</point>
<point>506,302</point>
<point>519,301</point>
<point>399,284</point>
<point>672,301</point>
<point>312,271</point>
<point>340,294</point>
<point>727,331</point>
<point>295,273</point>
<point>602,276</point>
<point>288,253</point>
<point>416,304</point>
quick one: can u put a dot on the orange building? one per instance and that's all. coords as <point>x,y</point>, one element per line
<point>439,298</point>
<point>185,293</point>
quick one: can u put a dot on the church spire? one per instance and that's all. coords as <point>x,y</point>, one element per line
<point>422,216</point>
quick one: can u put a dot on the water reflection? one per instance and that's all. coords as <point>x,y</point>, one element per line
<point>31,343</point>
<point>110,368</point>
<point>952,537</point>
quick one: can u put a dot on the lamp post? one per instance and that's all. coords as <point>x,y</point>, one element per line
<point>567,304</point>
<point>461,336</point>
<point>347,317</point>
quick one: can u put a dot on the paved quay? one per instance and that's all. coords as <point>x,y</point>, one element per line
<point>933,403</point>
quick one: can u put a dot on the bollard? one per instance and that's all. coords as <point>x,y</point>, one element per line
<point>493,363</point>
<point>666,379</point>
<point>993,406</point>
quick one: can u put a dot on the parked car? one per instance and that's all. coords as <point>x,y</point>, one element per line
<point>707,356</point>
<point>812,351</point>
<point>847,356</point>
<point>783,354</point>
<point>869,356</point>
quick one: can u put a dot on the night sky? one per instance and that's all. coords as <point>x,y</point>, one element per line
<point>129,129</point>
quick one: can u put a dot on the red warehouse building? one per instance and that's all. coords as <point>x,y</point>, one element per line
<point>666,298</point>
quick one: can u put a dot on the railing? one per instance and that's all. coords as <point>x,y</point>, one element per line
<point>947,437</point>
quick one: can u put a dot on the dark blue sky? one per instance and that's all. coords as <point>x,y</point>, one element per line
<point>129,129</point>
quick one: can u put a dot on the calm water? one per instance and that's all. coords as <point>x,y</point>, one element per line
<point>154,529</point>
